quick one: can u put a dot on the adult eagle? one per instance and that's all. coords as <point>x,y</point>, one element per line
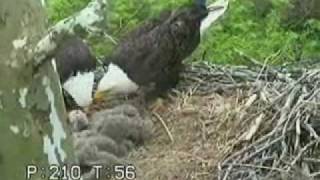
<point>150,57</point>
<point>76,66</point>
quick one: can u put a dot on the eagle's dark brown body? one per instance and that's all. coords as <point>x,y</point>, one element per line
<point>152,54</point>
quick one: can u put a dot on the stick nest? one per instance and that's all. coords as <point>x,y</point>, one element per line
<point>278,124</point>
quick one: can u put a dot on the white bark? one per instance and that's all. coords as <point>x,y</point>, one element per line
<point>32,114</point>
<point>88,20</point>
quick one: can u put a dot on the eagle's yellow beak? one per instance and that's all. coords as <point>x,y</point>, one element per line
<point>100,96</point>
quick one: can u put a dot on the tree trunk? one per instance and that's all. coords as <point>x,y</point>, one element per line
<point>32,113</point>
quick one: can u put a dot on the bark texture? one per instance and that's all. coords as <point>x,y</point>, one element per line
<point>32,114</point>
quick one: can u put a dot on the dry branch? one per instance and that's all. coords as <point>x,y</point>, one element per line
<point>283,109</point>
<point>89,20</point>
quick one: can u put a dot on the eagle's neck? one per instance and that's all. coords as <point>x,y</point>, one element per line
<point>80,87</point>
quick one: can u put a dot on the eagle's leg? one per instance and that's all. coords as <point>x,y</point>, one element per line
<point>168,81</point>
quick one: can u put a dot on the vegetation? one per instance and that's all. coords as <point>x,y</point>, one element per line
<point>243,29</point>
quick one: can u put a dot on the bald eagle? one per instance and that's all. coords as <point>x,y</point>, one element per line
<point>75,65</point>
<point>149,57</point>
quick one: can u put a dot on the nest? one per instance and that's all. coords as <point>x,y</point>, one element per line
<point>271,132</point>
<point>278,125</point>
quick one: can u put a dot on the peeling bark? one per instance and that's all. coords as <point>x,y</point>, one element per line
<point>32,114</point>
<point>89,20</point>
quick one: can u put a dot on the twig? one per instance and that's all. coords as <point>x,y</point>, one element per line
<point>259,167</point>
<point>164,126</point>
<point>306,147</point>
<point>288,102</point>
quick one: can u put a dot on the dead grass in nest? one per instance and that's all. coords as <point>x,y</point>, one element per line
<point>201,130</point>
<point>267,129</point>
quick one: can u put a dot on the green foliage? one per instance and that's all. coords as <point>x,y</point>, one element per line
<point>60,9</point>
<point>258,37</point>
<point>241,30</point>
<point>128,14</point>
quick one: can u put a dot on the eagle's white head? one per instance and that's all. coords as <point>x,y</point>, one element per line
<point>114,81</point>
<point>80,88</point>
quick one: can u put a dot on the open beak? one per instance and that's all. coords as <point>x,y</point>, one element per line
<point>215,8</point>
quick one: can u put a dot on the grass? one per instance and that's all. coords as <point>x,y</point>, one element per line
<point>258,37</point>
<point>240,30</point>
<point>203,130</point>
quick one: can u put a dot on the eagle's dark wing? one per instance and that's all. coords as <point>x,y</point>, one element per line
<point>142,57</point>
<point>154,54</point>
